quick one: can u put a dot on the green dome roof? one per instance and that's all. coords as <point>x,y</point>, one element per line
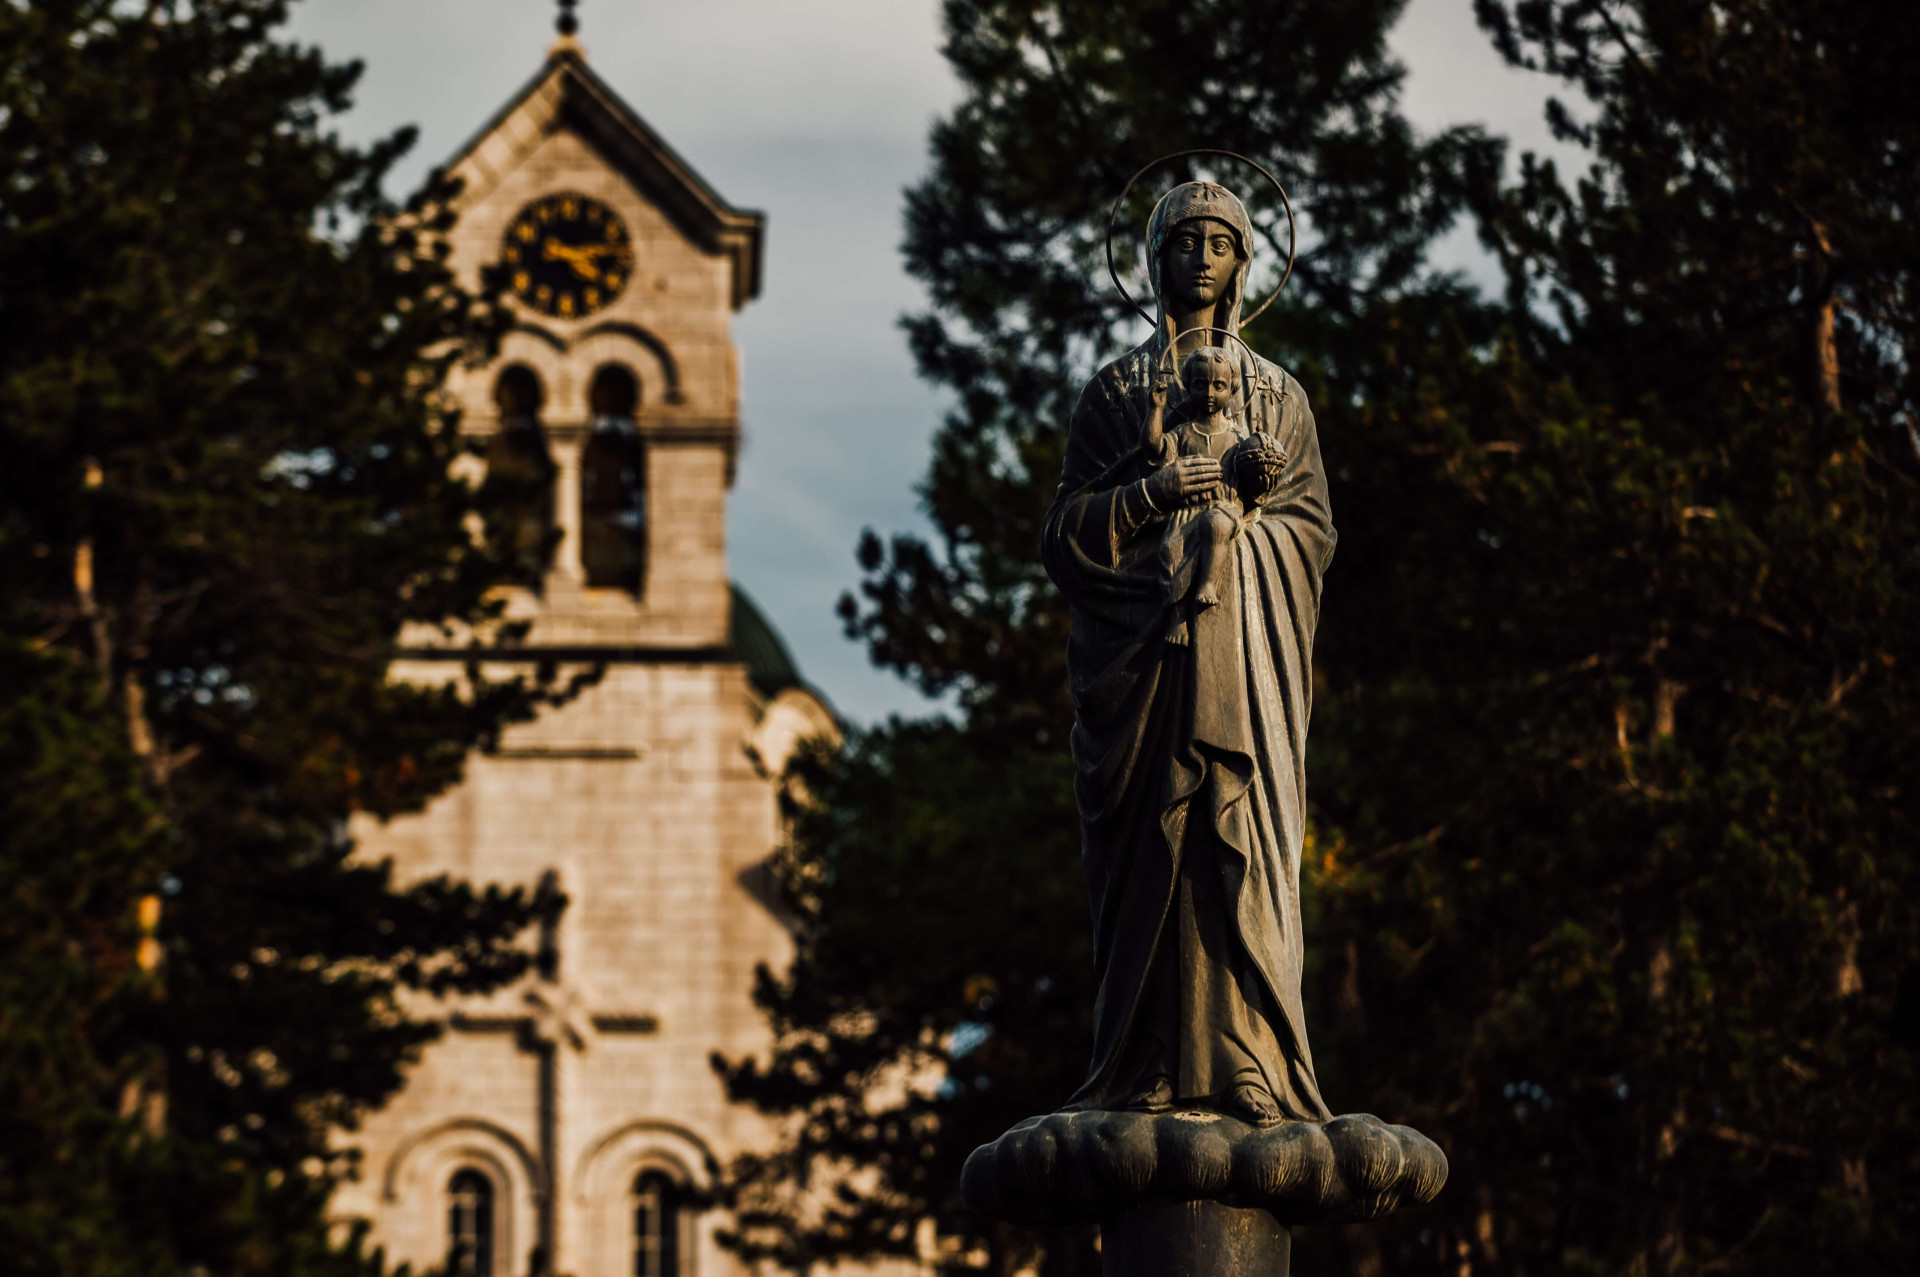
<point>770,666</point>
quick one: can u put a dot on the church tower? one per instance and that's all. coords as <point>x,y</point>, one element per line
<point>571,1124</point>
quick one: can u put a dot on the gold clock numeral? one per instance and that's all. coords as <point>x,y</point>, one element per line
<point>566,305</point>
<point>593,299</point>
<point>544,293</point>
<point>614,281</point>
<point>525,231</point>
<point>522,281</point>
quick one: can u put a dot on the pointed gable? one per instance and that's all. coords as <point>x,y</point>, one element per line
<point>567,94</point>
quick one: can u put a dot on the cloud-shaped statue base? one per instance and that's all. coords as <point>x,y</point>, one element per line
<point>1069,1168</point>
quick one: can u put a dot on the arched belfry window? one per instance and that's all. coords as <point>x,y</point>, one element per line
<point>518,496</point>
<point>470,1224</point>
<point>661,1226</point>
<point>613,485</point>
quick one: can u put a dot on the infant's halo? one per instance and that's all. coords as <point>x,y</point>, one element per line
<point>1167,359</point>
<point>1114,216</point>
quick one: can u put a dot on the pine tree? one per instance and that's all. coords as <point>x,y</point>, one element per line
<point>82,841</point>
<point>226,484</point>
<point>942,986</point>
<point>1618,750</point>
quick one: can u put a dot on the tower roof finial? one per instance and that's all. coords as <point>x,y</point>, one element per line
<point>566,24</point>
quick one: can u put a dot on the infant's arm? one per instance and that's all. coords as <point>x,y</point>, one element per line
<point>1155,439</point>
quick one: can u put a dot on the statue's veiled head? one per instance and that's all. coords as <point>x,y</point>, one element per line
<point>1199,248</point>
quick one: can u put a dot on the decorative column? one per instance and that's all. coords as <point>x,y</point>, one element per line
<point>557,1030</point>
<point>566,444</point>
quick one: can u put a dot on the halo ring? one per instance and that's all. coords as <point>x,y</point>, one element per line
<point>1292,231</point>
<point>1248,380</point>
<point>1173,363</point>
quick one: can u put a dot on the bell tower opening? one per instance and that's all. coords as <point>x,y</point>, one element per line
<point>518,495</point>
<point>613,485</point>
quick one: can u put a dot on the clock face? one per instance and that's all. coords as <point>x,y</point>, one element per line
<point>567,255</point>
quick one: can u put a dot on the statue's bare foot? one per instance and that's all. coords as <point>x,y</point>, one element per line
<point>1252,1105</point>
<point>1157,1098</point>
<point>1206,598</point>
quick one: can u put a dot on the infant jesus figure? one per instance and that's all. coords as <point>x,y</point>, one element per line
<point>1206,425</point>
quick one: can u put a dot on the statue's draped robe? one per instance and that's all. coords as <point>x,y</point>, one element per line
<point>1188,756</point>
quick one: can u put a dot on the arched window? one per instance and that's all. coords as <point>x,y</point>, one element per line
<point>659,1219</point>
<point>470,1224</point>
<point>518,394</point>
<point>613,485</point>
<point>518,496</point>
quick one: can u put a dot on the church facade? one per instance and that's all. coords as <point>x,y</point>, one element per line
<point>572,1123</point>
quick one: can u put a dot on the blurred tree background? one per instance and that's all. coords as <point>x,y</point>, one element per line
<point>1611,875</point>
<point>1611,886</point>
<point>224,487</point>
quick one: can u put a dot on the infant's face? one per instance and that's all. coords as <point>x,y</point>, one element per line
<point>1216,392</point>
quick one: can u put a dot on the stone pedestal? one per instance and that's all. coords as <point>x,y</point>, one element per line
<point>1194,1239</point>
<point>1195,1194</point>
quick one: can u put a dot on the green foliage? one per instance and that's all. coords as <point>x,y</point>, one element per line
<point>1611,886</point>
<point>226,488</point>
<point>941,984</point>
<point>1634,914</point>
<point>81,835</point>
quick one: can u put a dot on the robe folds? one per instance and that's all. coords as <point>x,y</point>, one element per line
<point>1188,755</point>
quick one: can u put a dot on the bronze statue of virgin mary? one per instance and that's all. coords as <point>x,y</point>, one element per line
<point>1199,1138</point>
<point>1189,738</point>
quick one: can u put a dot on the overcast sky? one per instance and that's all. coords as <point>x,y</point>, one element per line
<point>816,112</point>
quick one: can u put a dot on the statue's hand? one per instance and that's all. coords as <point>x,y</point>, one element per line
<point>1158,394</point>
<point>1189,476</point>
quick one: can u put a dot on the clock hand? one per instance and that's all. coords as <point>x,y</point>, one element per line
<point>581,259</point>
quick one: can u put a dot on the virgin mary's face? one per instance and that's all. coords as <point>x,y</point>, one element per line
<point>1197,264</point>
